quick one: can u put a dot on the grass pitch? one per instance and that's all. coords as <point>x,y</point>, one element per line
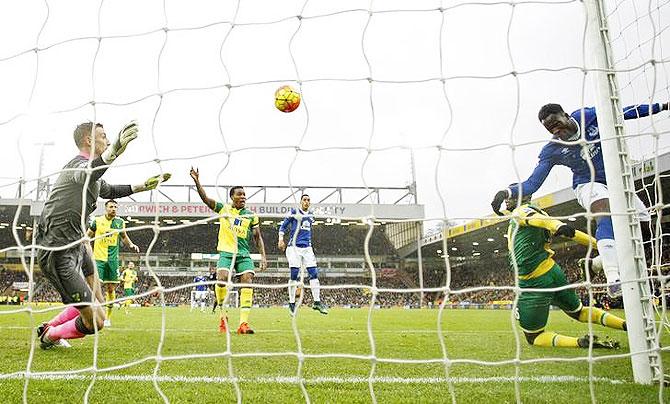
<point>193,366</point>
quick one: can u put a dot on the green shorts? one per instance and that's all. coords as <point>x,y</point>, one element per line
<point>108,271</point>
<point>533,307</point>
<point>128,291</point>
<point>243,263</point>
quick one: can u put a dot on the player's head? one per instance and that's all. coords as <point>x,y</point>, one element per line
<point>238,196</point>
<point>82,138</point>
<point>212,270</point>
<point>110,208</point>
<point>305,202</point>
<point>131,265</point>
<point>557,121</point>
<point>512,202</point>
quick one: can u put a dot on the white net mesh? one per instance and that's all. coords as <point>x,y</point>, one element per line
<point>448,88</point>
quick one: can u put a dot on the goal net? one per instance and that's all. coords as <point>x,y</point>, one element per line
<point>437,99</point>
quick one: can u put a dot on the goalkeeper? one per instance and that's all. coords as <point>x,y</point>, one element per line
<point>529,236</point>
<point>64,257</point>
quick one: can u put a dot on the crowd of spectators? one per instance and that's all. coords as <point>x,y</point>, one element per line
<point>331,240</point>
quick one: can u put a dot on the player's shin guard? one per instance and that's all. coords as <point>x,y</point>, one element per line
<point>246,299</point>
<point>607,249</point>
<point>293,284</point>
<point>221,292</point>
<point>552,339</point>
<point>602,317</point>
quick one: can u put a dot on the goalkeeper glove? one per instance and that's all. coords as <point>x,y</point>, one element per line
<point>118,146</point>
<point>498,200</point>
<point>153,182</point>
<point>565,231</point>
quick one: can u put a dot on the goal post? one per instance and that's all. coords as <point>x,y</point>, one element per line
<point>640,316</point>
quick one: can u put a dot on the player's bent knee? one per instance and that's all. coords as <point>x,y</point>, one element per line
<point>85,325</point>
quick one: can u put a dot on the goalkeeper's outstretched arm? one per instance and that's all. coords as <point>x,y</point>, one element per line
<point>195,174</point>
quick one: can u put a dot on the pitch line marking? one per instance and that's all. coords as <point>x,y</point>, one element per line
<point>316,380</point>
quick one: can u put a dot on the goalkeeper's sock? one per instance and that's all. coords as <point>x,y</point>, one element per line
<point>599,316</point>
<point>552,339</point>
<point>246,297</point>
<point>221,293</point>
<point>316,290</point>
<point>67,330</point>
<point>64,316</point>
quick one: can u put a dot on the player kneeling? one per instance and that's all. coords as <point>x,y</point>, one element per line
<point>529,234</point>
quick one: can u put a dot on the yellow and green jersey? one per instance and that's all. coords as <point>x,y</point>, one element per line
<point>530,245</point>
<point>235,227</point>
<point>106,248</point>
<point>129,276</point>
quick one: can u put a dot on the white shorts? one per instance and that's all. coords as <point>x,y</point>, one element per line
<point>297,256</point>
<point>201,295</point>
<point>591,192</point>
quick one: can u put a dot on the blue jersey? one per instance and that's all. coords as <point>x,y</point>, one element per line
<point>574,156</point>
<point>304,238</point>
<point>200,279</point>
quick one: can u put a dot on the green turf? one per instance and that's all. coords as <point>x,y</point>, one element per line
<point>484,335</point>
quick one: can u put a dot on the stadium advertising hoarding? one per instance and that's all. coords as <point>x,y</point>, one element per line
<point>198,209</point>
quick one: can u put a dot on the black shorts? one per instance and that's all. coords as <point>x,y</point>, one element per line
<point>66,270</point>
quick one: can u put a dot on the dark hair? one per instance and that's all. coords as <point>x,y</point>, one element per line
<point>549,109</point>
<point>111,201</point>
<point>232,190</point>
<point>82,130</point>
<point>303,195</point>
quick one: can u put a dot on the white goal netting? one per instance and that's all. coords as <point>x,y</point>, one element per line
<point>438,97</point>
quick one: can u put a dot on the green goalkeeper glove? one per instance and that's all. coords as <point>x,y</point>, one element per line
<point>153,182</point>
<point>118,146</point>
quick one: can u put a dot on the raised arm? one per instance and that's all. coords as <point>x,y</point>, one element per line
<point>642,110</point>
<point>195,174</point>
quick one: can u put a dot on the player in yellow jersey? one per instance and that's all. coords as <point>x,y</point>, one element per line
<point>529,238</point>
<point>237,226</point>
<point>106,230</point>
<point>128,276</point>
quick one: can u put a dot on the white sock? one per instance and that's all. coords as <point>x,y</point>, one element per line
<point>292,286</point>
<point>607,250</point>
<point>316,293</point>
<point>597,264</point>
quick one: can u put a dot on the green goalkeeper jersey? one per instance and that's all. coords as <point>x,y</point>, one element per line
<point>530,245</point>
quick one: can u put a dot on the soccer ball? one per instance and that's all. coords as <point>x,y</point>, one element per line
<point>287,99</point>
